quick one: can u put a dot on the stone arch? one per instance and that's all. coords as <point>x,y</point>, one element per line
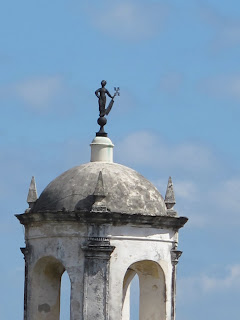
<point>129,275</point>
<point>65,297</point>
<point>45,290</point>
<point>152,298</point>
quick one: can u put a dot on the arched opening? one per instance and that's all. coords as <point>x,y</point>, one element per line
<point>65,297</point>
<point>134,298</point>
<point>46,289</point>
<point>126,300</point>
<point>152,292</point>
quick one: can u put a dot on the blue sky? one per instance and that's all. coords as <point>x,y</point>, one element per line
<point>177,64</point>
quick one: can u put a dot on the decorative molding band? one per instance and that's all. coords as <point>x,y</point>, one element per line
<point>98,247</point>
<point>116,218</point>
<point>76,235</point>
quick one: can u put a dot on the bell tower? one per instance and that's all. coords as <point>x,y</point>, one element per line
<point>102,223</point>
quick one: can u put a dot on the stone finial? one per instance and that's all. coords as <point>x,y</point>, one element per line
<point>99,195</point>
<point>32,193</point>
<point>170,197</point>
<point>99,190</point>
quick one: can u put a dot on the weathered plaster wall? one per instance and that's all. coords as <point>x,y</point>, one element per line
<point>134,245</point>
<point>65,241</point>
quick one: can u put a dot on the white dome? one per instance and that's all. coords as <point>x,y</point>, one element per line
<point>126,191</point>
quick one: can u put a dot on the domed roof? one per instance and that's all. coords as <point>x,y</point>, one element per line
<point>126,191</point>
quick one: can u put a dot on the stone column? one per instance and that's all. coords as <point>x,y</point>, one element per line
<point>126,305</point>
<point>96,278</point>
<point>175,255</point>
<point>76,302</point>
<point>25,252</point>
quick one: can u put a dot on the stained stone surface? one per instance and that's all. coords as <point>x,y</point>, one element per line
<point>126,191</point>
<point>32,193</point>
<point>170,196</point>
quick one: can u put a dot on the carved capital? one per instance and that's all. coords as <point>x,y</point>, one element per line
<point>98,247</point>
<point>175,255</point>
<point>25,251</point>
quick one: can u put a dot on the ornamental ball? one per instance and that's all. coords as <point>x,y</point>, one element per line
<point>102,121</point>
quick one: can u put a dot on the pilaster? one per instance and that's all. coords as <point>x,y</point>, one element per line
<point>97,252</point>
<point>175,255</point>
<point>26,251</point>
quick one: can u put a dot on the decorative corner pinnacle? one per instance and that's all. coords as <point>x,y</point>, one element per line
<point>99,190</point>
<point>32,194</point>
<point>99,194</point>
<point>170,196</point>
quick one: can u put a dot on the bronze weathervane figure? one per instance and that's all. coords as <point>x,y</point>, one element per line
<point>101,94</point>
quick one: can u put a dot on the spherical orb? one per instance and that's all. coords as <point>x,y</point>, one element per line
<point>102,121</point>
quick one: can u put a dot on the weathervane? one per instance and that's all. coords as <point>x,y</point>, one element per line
<point>101,94</point>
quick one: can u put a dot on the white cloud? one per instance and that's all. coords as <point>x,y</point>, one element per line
<point>131,20</point>
<point>216,203</point>
<point>39,92</point>
<point>185,189</point>
<point>192,287</point>
<point>226,196</point>
<point>226,28</point>
<point>230,280</point>
<point>202,192</point>
<point>188,197</point>
<point>145,148</point>
<point>224,86</point>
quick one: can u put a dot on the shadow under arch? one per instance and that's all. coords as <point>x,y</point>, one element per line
<point>152,286</point>
<point>46,286</point>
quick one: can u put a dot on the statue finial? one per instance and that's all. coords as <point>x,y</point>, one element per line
<point>101,94</point>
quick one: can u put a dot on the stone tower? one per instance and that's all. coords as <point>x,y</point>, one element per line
<point>102,223</point>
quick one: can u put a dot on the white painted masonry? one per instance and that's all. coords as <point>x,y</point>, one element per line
<point>102,149</point>
<point>101,243</point>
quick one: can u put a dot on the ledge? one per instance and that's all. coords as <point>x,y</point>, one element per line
<point>114,218</point>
